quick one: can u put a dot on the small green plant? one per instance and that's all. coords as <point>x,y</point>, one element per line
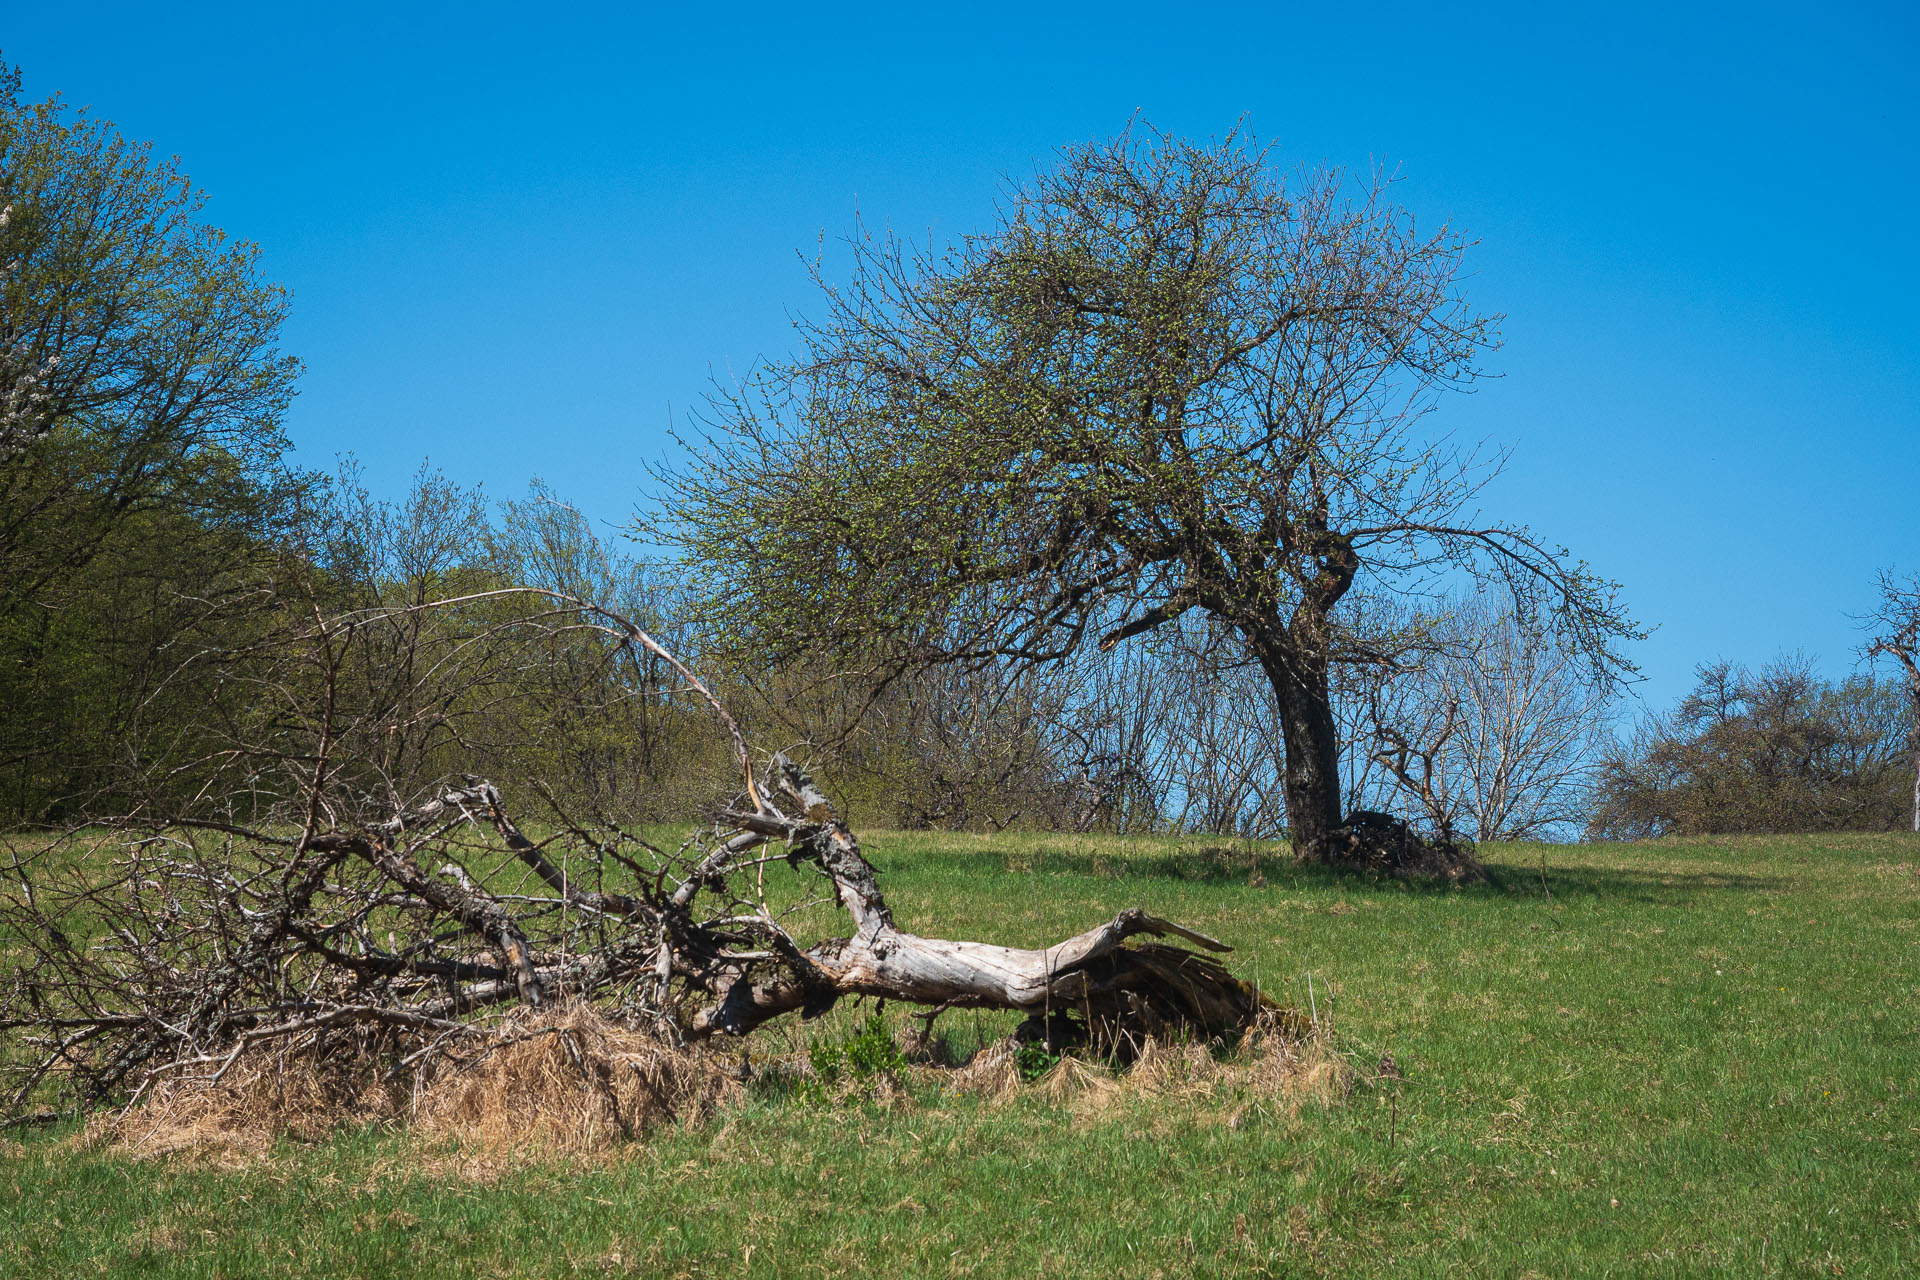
<point>1033,1060</point>
<point>868,1051</point>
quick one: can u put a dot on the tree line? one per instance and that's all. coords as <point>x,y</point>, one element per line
<point>1123,515</point>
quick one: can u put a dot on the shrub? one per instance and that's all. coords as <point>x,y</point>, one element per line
<point>1777,750</point>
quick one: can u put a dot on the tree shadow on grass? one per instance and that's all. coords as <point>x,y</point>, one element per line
<point>1519,882</point>
<point>1571,883</point>
<point>1266,870</point>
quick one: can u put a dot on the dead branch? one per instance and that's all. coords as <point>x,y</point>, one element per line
<point>309,927</point>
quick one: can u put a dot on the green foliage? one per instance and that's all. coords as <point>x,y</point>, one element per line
<point>861,1054</point>
<point>142,488</point>
<point>993,448</point>
<point>1032,1059</point>
<point>138,340</point>
<point>93,667</point>
<point>502,683</point>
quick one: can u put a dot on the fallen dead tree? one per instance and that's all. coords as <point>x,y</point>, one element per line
<point>160,951</point>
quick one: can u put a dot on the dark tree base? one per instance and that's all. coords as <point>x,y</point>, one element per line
<point>1384,844</point>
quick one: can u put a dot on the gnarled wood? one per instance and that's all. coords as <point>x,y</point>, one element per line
<point>1092,972</point>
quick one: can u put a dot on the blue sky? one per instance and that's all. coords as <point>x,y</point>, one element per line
<point>521,239</point>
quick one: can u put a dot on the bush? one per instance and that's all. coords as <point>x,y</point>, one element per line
<point>1773,751</point>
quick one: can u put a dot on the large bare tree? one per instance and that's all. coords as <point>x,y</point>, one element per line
<point>1490,728</point>
<point>1169,380</point>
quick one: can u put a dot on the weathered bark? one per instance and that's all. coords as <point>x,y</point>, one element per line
<point>1313,751</point>
<point>1913,758</point>
<point>1916,787</point>
<point>1092,973</point>
<point>1112,988</point>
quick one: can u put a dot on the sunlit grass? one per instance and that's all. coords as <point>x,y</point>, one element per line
<point>1678,1058</point>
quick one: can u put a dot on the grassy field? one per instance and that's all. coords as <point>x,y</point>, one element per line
<point>1687,1058</point>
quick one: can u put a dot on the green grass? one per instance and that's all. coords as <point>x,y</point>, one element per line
<point>1693,1058</point>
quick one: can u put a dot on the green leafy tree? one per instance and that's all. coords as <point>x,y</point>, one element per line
<point>1167,381</point>
<point>141,474</point>
<point>136,340</point>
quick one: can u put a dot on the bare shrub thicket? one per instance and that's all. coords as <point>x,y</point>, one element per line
<point>1466,722</point>
<point>1174,735</point>
<point>979,747</point>
<point>1177,734</point>
<point>598,724</point>
<point>1179,731</point>
<point>1482,725</point>
<point>1780,749</point>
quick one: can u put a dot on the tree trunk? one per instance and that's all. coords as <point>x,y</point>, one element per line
<point>1105,990</point>
<point>1913,739</point>
<point>1312,749</point>
<point>1375,841</point>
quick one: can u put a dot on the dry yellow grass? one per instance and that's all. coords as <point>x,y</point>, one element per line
<point>569,1084</point>
<point>565,1083</point>
<point>573,1083</point>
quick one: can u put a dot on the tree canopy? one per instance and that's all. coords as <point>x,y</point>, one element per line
<point>1168,379</point>
<point>141,398</point>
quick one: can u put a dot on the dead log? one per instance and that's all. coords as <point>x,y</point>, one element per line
<point>1115,990</point>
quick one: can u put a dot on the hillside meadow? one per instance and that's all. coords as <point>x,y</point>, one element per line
<point>1678,1058</point>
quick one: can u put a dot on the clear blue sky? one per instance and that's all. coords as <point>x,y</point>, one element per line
<point>519,238</point>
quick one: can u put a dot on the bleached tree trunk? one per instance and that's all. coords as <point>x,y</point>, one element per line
<point>1092,973</point>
